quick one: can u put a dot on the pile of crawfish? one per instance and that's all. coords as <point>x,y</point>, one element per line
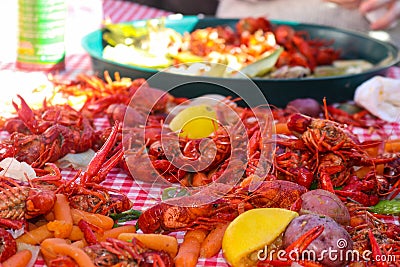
<point>255,36</point>
<point>40,138</point>
<point>312,152</point>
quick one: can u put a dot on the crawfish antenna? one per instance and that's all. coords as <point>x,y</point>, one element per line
<point>326,109</point>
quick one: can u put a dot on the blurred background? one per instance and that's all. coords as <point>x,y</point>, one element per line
<point>206,7</point>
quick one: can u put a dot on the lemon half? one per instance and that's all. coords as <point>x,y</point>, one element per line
<point>251,231</point>
<point>195,122</point>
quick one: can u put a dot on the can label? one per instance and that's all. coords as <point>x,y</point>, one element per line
<point>41,28</point>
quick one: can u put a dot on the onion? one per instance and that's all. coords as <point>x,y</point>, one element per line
<point>18,170</point>
<point>306,106</point>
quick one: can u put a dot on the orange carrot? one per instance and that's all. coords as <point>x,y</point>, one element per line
<point>52,247</point>
<point>62,214</point>
<point>213,242</point>
<point>61,229</point>
<point>19,259</point>
<point>99,220</point>
<point>189,250</point>
<point>166,243</point>
<point>76,234</point>
<point>392,146</point>
<point>79,244</point>
<point>199,234</point>
<point>62,210</point>
<point>35,236</point>
<point>115,232</point>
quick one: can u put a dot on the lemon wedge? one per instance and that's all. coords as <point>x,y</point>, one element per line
<point>195,122</point>
<point>251,231</point>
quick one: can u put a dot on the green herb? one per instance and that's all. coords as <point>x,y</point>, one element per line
<point>125,216</point>
<point>390,207</point>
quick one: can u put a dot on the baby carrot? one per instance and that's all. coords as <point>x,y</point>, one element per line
<point>62,225</point>
<point>213,242</point>
<point>19,259</point>
<point>166,243</point>
<point>189,250</point>
<point>115,232</point>
<point>99,220</point>
<point>35,236</point>
<point>52,247</point>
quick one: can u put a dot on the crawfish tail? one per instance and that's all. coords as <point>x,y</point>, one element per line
<point>276,194</point>
<point>17,202</point>
<point>12,201</point>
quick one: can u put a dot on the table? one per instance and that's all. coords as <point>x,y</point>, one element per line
<point>119,11</point>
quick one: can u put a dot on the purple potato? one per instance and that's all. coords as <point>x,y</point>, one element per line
<point>323,202</point>
<point>306,106</point>
<point>331,248</point>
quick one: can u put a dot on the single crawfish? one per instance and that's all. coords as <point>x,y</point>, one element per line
<point>321,135</point>
<point>114,252</point>
<point>88,194</point>
<point>164,217</point>
<point>19,202</point>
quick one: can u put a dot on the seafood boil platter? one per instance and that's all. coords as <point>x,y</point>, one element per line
<point>125,171</point>
<point>329,175</point>
<point>315,62</point>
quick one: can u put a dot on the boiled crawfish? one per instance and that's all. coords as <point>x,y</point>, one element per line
<point>59,130</point>
<point>376,233</point>
<point>19,202</point>
<point>8,246</point>
<point>23,202</point>
<point>164,217</point>
<point>114,252</point>
<point>84,190</point>
<point>335,150</point>
<point>300,50</point>
<point>102,93</point>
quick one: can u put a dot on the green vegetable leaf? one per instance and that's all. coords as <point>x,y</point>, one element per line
<point>262,66</point>
<point>125,216</point>
<point>126,34</point>
<point>389,207</point>
<point>172,192</point>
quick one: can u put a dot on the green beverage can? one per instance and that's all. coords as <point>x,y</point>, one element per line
<point>41,31</point>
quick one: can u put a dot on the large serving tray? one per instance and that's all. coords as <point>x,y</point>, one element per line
<point>353,45</point>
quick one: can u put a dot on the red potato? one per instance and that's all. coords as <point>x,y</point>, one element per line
<point>323,202</point>
<point>306,106</point>
<point>334,238</point>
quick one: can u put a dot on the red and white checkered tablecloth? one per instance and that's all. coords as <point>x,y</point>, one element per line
<point>114,10</point>
<point>119,11</point>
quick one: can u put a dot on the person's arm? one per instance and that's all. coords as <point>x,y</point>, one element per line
<point>385,18</point>
<point>390,16</point>
<point>350,4</point>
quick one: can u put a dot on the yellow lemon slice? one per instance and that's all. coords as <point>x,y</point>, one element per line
<point>195,122</point>
<point>251,231</point>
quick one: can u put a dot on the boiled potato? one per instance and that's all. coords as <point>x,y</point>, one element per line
<point>330,248</point>
<point>323,202</point>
